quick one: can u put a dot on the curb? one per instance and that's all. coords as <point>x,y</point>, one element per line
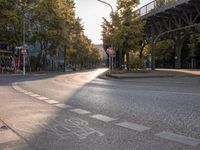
<point>136,77</point>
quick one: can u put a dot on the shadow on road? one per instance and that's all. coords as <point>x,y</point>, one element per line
<point>48,127</point>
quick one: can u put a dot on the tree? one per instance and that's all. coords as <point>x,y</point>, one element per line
<point>51,24</point>
<point>47,28</point>
<point>125,31</point>
<point>83,52</point>
<point>161,3</point>
<point>11,22</point>
<point>194,53</point>
<point>165,53</point>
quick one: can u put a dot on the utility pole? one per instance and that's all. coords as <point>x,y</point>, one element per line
<point>24,54</point>
<point>107,4</point>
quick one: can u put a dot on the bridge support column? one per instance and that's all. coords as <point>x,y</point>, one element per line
<point>178,47</point>
<point>179,41</point>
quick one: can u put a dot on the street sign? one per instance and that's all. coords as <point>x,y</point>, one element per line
<point>110,51</point>
<point>23,52</point>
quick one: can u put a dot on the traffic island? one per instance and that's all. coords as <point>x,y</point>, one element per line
<point>159,73</point>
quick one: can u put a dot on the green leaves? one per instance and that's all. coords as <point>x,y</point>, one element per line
<point>50,23</point>
<point>126,29</point>
<point>124,4</point>
<point>10,21</point>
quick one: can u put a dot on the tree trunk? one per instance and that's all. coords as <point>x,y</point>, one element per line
<point>120,59</point>
<point>65,58</point>
<point>153,48</point>
<point>141,50</point>
<point>127,61</point>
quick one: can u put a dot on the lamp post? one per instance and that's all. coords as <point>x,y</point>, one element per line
<point>23,50</point>
<point>109,54</point>
<point>107,4</point>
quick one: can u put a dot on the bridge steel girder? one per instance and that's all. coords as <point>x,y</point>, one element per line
<point>173,16</point>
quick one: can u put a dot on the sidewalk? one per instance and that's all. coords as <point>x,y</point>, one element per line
<point>186,71</point>
<point>10,140</point>
<point>158,73</point>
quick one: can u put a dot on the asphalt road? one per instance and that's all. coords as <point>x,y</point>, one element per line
<point>78,111</point>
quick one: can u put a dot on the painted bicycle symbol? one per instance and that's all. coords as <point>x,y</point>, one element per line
<point>61,129</point>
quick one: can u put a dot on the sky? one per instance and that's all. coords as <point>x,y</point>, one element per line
<point>91,12</point>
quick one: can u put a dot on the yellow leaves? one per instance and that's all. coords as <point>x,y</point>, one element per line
<point>124,4</point>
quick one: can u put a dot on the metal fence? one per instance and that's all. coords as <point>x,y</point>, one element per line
<point>154,5</point>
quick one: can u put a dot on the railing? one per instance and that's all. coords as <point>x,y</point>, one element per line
<point>154,5</point>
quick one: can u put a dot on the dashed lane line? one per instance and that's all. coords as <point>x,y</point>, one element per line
<point>51,101</point>
<point>23,91</point>
<point>133,126</point>
<point>80,111</point>
<point>129,125</point>
<point>28,93</point>
<point>63,106</point>
<point>103,118</point>
<point>42,98</point>
<point>35,95</point>
<point>179,138</point>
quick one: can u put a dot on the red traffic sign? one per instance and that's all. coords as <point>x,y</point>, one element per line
<point>110,51</point>
<point>23,51</point>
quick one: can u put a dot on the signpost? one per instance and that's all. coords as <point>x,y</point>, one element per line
<point>23,51</point>
<point>110,53</point>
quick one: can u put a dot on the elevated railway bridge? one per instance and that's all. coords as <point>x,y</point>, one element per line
<point>170,19</point>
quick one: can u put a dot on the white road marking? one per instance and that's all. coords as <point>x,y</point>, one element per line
<point>60,129</point>
<point>80,111</point>
<point>29,93</point>
<point>133,126</point>
<point>179,138</point>
<point>35,95</point>
<point>41,98</point>
<point>8,136</point>
<point>103,118</point>
<point>63,106</point>
<point>24,91</point>
<point>51,101</point>
<point>17,88</point>
<point>15,83</point>
<point>171,92</point>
